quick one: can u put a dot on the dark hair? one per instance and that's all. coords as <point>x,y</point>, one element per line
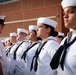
<point>52,32</point>
<point>38,38</point>
<point>55,34</point>
<point>35,32</point>
<point>2,22</point>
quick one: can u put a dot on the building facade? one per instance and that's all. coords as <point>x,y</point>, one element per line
<point>23,13</point>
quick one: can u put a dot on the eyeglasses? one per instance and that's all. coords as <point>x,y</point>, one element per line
<point>41,27</point>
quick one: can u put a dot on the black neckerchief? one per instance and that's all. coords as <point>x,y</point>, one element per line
<point>28,48</point>
<point>37,54</point>
<point>59,56</point>
<point>9,49</point>
<point>14,57</point>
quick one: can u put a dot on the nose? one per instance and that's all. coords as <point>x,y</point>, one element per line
<point>37,29</point>
<point>65,16</point>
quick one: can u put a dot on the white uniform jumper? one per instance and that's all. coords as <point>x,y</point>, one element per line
<point>14,67</point>
<point>11,66</point>
<point>3,59</point>
<point>70,60</point>
<point>19,63</point>
<point>45,57</point>
<point>29,56</point>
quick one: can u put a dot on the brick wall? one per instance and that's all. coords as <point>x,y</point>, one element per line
<point>30,9</point>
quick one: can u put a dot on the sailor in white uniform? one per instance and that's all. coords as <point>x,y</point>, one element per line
<point>3,59</point>
<point>10,54</point>
<point>67,62</point>
<point>13,40</point>
<point>59,37</point>
<point>30,51</point>
<point>69,8</point>
<point>16,52</point>
<point>44,55</point>
<point>19,64</point>
<point>13,37</point>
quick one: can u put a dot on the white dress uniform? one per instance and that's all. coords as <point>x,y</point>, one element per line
<point>11,67</point>
<point>70,60</point>
<point>19,63</point>
<point>3,59</point>
<point>45,57</point>
<point>29,56</point>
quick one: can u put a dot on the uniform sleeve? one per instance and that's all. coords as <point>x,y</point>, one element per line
<point>25,45</point>
<point>52,49</point>
<point>3,59</point>
<point>0,49</point>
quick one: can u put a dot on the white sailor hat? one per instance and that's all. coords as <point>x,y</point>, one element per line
<point>19,30</point>
<point>47,21</point>
<point>32,27</point>
<point>67,3</point>
<point>70,29</point>
<point>2,40</point>
<point>2,19</point>
<point>60,34</point>
<point>7,39</point>
<point>13,34</point>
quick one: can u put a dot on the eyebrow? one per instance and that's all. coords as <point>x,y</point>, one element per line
<point>72,8</point>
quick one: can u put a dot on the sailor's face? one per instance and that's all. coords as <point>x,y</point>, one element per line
<point>70,17</point>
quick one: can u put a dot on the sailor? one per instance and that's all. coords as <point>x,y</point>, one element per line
<point>15,54</point>
<point>66,54</point>
<point>30,51</point>
<point>3,59</point>
<point>44,54</point>
<point>59,37</point>
<point>8,43</point>
<point>13,40</point>
<point>21,38</point>
<point>13,36</point>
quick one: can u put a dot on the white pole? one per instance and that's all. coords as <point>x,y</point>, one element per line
<point>33,19</point>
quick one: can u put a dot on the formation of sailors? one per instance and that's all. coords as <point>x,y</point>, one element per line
<point>45,51</point>
<point>27,51</point>
<point>31,47</point>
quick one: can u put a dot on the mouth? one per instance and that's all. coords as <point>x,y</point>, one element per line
<point>37,33</point>
<point>65,21</point>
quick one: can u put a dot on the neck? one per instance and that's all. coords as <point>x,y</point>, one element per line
<point>44,39</point>
<point>34,41</point>
<point>74,31</point>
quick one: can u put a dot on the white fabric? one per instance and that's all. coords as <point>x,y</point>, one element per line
<point>3,59</point>
<point>70,29</point>
<point>7,39</point>
<point>11,67</point>
<point>13,34</point>
<point>47,21</point>
<point>70,60</point>
<point>67,3</point>
<point>2,17</point>
<point>19,64</point>
<point>32,27</point>
<point>60,34</point>
<point>21,49</point>
<point>22,30</point>
<point>29,57</point>
<point>45,57</point>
